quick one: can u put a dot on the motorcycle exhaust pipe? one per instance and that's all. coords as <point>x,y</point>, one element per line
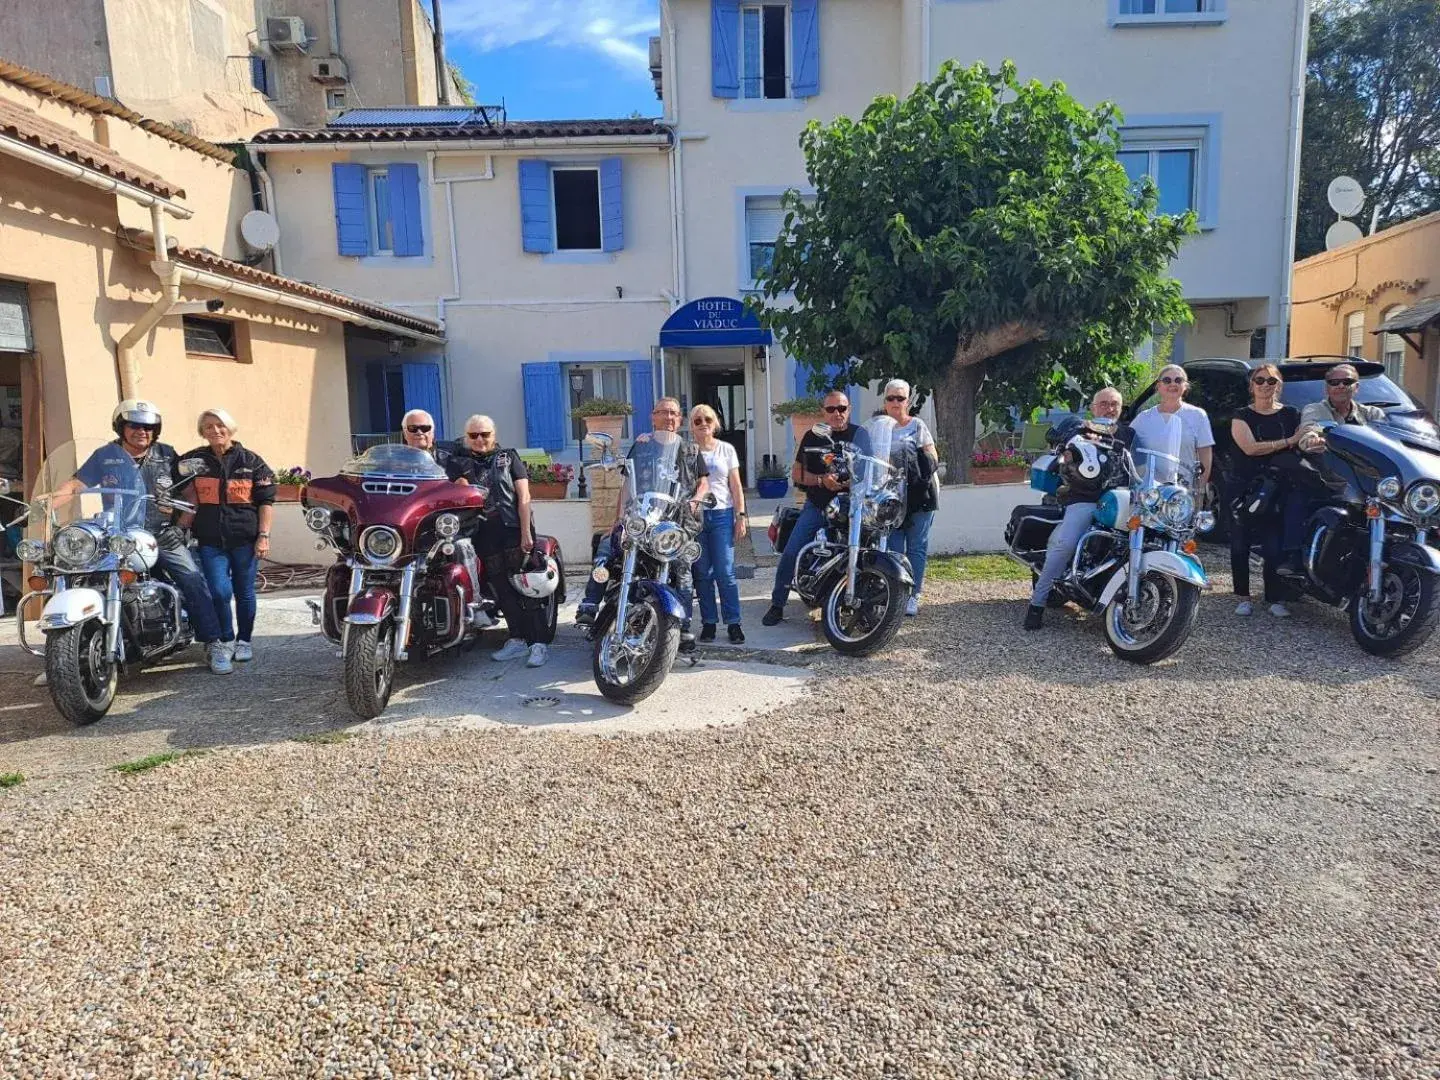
<point>316,611</point>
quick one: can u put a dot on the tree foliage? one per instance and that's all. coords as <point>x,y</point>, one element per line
<point>978,232</point>
<point>1372,111</point>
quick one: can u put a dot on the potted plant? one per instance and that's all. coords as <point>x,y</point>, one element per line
<point>803,414</point>
<point>999,467</point>
<point>773,483</point>
<point>604,414</point>
<point>290,482</point>
<point>550,480</point>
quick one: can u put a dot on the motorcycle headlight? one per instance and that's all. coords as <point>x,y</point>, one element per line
<point>31,551</point>
<point>447,525</point>
<point>317,519</point>
<point>1423,499</point>
<point>1389,488</point>
<point>76,547</point>
<point>1204,521</point>
<point>636,527</point>
<point>1150,499</point>
<point>690,552</point>
<point>667,540</point>
<point>1177,507</point>
<point>121,546</point>
<point>380,543</point>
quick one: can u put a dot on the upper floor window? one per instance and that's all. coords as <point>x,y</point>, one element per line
<point>576,208</point>
<point>1174,12</point>
<point>382,231</point>
<point>765,51</point>
<point>1355,334</point>
<point>377,209</point>
<point>576,195</point>
<point>1180,152</point>
<point>1171,167</point>
<point>763,220</point>
<point>1393,349</point>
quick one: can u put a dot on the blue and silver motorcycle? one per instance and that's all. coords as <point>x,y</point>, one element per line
<point>1137,563</point>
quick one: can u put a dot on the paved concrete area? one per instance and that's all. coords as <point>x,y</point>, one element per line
<point>293,689</point>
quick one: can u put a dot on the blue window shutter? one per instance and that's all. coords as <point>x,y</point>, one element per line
<point>375,392</point>
<point>612,205</point>
<point>805,47</point>
<point>642,395</point>
<point>725,48</point>
<point>406,233</point>
<point>545,413</point>
<point>537,228</point>
<point>802,378</point>
<point>422,391</point>
<point>352,220</point>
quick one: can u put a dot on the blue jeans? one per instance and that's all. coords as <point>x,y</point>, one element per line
<point>1061,549</point>
<point>715,569</point>
<point>231,573</point>
<point>811,521</point>
<point>177,564</point>
<point>913,541</point>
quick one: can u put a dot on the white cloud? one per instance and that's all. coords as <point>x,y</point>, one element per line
<point>619,29</point>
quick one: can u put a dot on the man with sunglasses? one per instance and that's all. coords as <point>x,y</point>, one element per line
<point>417,428</point>
<point>1338,406</point>
<point>811,473</point>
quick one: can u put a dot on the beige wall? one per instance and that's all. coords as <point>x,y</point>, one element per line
<point>1397,266</point>
<point>67,41</point>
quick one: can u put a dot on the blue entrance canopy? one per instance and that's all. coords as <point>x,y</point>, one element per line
<point>712,322</point>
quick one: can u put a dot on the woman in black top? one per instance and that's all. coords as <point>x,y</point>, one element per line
<point>1265,435</point>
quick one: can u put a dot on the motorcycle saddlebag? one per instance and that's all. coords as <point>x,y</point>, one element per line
<point>1030,527</point>
<point>782,526</point>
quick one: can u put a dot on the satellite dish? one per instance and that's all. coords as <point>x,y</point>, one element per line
<point>259,230</point>
<point>1341,233</point>
<point>1346,196</point>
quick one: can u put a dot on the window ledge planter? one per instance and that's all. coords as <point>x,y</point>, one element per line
<point>1003,474</point>
<point>287,493</point>
<point>604,415</point>
<point>551,489</point>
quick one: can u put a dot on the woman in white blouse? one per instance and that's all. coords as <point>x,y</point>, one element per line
<point>724,524</point>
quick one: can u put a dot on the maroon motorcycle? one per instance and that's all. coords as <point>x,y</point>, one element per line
<point>407,582</point>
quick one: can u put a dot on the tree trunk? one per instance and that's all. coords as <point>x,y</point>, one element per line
<point>955,400</point>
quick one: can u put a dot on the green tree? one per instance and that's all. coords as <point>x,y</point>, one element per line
<point>1372,111</point>
<point>978,239</point>
<point>464,88</point>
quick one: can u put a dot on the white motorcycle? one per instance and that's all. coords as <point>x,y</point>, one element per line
<point>92,562</point>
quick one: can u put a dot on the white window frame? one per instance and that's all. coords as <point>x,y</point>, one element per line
<point>743,198</point>
<point>1392,346</point>
<point>555,209</point>
<point>759,6</point>
<point>336,98</point>
<point>373,208</point>
<point>1355,335</point>
<point>593,369</point>
<point>1155,144</point>
<point>1212,13</point>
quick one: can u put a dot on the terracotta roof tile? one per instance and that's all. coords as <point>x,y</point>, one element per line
<point>30,127</point>
<point>523,129</point>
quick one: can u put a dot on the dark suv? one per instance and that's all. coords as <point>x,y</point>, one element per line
<point>1221,386</point>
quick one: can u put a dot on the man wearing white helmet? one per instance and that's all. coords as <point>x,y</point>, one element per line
<point>137,425</point>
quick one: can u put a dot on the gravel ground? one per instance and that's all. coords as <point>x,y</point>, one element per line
<point>985,854</point>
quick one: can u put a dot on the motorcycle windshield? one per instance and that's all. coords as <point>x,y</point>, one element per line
<point>655,468</point>
<point>880,460</point>
<point>395,462</point>
<point>87,481</point>
<point>1158,451</point>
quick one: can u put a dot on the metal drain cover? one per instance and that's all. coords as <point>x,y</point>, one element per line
<point>541,701</point>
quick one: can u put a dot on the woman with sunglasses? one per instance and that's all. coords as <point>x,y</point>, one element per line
<point>1266,434</point>
<point>922,495</point>
<point>1155,426</point>
<point>725,523</point>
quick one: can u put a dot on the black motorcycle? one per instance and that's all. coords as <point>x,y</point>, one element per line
<point>1367,546</point>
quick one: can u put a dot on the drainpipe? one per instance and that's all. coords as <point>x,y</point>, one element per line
<point>442,72</point>
<point>334,18</point>
<point>169,274</point>
<point>1292,177</point>
<point>268,187</point>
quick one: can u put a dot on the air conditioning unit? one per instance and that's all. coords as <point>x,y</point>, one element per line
<point>329,70</point>
<point>287,33</point>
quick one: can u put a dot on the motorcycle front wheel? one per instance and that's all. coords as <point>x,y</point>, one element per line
<point>1159,624</point>
<point>631,662</point>
<point>370,668</point>
<point>874,619</point>
<point>80,672</point>
<point>1402,620</point>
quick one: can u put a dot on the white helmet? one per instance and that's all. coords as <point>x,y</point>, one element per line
<point>537,582</point>
<point>135,411</point>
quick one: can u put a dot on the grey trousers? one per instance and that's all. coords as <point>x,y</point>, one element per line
<point>1061,548</point>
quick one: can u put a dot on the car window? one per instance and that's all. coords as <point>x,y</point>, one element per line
<point>1373,390</point>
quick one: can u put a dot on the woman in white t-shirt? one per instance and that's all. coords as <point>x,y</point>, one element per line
<point>1176,424</point>
<point>913,538</point>
<point>724,524</point>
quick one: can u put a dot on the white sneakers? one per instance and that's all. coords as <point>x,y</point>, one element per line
<point>539,653</point>
<point>1245,608</point>
<point>219,654</point>
<point>511,650</point>
<point>1280,611</point>
<point>243,652</point>
<point>912,606</point>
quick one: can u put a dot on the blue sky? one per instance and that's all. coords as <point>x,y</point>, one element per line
<point>556,59</point>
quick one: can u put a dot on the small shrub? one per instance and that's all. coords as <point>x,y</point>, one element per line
<point>11,779</point>
<point>601,406</point>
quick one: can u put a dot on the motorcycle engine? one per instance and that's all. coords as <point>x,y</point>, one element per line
<point>152,614</point>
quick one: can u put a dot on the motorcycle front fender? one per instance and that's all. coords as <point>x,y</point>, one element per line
<point>1409,553</point>
<point>372,606</point>
<point>71,608</point>
<point>1185,568</point>
<point>667,597</point>
<point>870,558</point>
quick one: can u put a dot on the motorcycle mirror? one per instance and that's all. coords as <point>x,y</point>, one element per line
<point>601,440</point>
<point>4,486</point>
<point>822,430</point>
<point>189,467</point>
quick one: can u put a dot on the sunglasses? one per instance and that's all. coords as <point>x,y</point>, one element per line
<point>417,429</point>
<point>1265,380</point>
<point>700,421</point>
<point>897,397</point>
<point>1341,382</point>
<point>1173,380</point>
<point>480,434</point>
<point>837,408</point>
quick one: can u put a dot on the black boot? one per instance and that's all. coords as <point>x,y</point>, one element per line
<point>1034,617</point>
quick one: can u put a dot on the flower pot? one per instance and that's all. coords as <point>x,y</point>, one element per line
<point>549,489</point>
<point>801,423</point>
<point>288,492</point>
<point>614,426</point>
<point>772,487</point>
<point>1004,474</point>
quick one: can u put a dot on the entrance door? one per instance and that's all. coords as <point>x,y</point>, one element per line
<point>723,389</point>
